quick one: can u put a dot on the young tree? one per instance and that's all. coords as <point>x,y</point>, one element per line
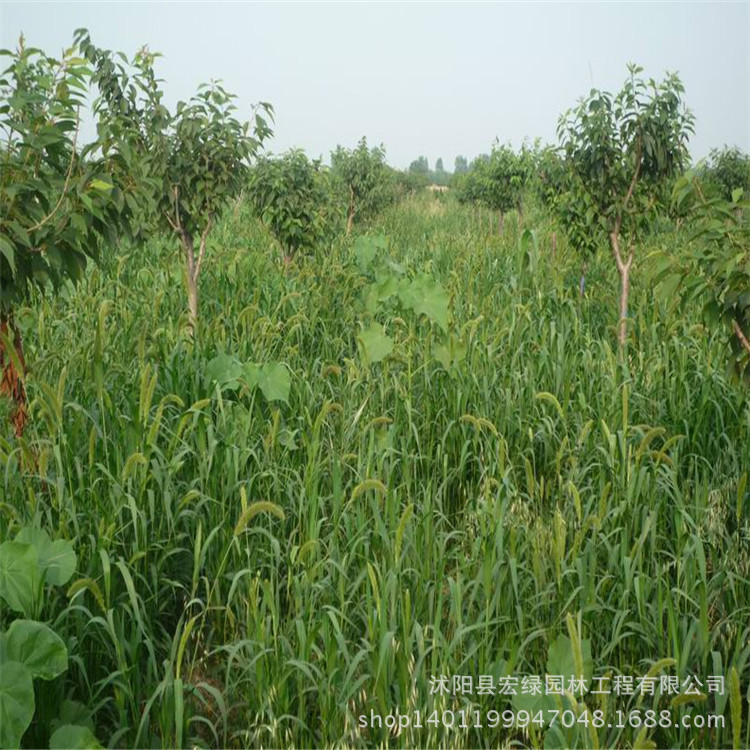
<point>199,155</point>
<point>60,204</point>
<point>623,149</point>
<point>439,166</point>
<point>292,196</point>
<point>502,178</point>
<point>365,178</point>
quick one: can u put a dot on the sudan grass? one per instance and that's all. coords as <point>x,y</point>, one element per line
<point>414,523</point>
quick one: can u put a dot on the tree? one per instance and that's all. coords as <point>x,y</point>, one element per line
<point>420,166</point>
<point>623,149</point>
<point>365,179</point>
<point>439,166</point>
<point>460,165</point>
<point>199,155</point>
<point>292,197</point>
<point>726,170</point>
<point>500,180</point>
<point>60,204</point>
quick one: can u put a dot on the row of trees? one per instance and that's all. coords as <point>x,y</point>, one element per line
<point>149,169</point>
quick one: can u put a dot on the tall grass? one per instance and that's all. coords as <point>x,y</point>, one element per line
<point>423,523</point>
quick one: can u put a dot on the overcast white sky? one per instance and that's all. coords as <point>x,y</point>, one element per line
<point>437,79</point>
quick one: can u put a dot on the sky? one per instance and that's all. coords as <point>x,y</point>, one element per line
<point>421,78</point>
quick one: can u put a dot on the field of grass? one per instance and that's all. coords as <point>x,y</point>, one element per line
<point>417,522</point>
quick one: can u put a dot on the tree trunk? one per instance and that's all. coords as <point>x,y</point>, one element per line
<point>13,369</point>
<point>192,292</point>
<point>554,245</point>
<point>191,281</point>
<point>623,268</point>
<point>622,335</point>
<point>500,222</point>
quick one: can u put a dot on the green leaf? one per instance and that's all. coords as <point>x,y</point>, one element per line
<point>427,297</point>
<point>560,660</point>
<point>100,185</point>
<point>533,703</point>
<point>365,251</point>
<point>16,703</point>
<point>19,575</point>
<point>6,248</point>
<point>450,352</point>
<point>225,371</point>
<point>73,712</point>
<point>376,345</point>
<point>38,647</point>
<point>57,560</point>
<point>73,737</point>
<point>273,379</point>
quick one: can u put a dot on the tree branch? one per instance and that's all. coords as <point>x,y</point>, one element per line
<point>741,336</point>
<point>631,187</point>
<point>202,251</point>
<point>43,221</point>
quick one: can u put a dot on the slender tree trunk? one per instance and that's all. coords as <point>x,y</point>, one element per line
<point>192,294</point>
<point>12,372</point>
<point>500,222</point>
<point>191,281</point>
<point>623,268</point>
<point>553,240</point>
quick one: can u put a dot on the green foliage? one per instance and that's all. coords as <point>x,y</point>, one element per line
<point>623,149</point>
<point>715,264</point>
<point>725,171</point>
<point>365,180</point>
<point>293,197</point>
<point>420,166</point>
<point>61,202</point>
<point>230,374</point>
<point>496,181</point>
<point>198,157</point>
<point>30,649</point>
<point>411,520</point>
<point>28,563</point>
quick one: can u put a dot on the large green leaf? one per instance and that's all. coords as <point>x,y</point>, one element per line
<point>449,353</point>
<point>366,249</point>
<point>272,378</point>
<point>38,647</point>
<point>376,345</point>
<point>427,297</point>
<point>57,560</point>
<point>73,737</point>
<point>19,575</point>
<point>225,371</point>
<point>16,703</point>
<point>560,660</point>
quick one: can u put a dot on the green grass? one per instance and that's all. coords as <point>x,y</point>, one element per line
<point>432,524</point>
